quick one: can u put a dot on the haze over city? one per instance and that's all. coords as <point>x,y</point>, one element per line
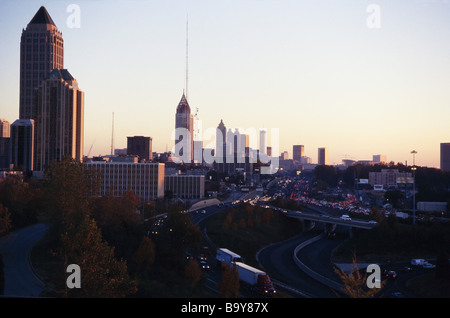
<point>315,70</point>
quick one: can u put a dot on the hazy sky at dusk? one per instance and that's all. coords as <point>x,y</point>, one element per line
<point>312,69</point>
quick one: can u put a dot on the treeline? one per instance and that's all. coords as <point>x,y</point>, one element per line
<point>106,236</point>
<point>432,184</point>
<point>288,204</point>
<point>391,238</point>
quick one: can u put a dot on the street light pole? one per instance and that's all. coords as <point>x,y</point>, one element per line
<point>414,185</point>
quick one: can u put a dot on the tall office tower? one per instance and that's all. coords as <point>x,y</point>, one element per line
<point>4,128</point>
<point>445,156</point>
<point>184,126</point>
<point>41,51</point>
<point>4,143</point>
<point>237,146</point>
<point>221,142</point>
<point>298,151</point>
<point>322,156</point>
<point>140,146</point>
<point>22,144</point>
<point>262,141</point>
<point>59,124</point>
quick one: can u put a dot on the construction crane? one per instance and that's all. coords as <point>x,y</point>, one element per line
<point>89,152</point>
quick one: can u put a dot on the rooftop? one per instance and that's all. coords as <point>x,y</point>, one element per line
<point>42,17</point>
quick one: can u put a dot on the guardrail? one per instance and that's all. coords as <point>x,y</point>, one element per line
<point>324,280</point>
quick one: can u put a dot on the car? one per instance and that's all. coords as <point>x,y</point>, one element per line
<point>203,212</point>
<point>391,275</point>
<point>204,265</point>
<point>372,222</point>
<point>406,269</point>
<point>428,265</point>
<point>325,216</point>
<point>345,217</point>
<point>397,295</point>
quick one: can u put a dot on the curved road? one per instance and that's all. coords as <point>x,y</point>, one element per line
<point>20,279</point>
<point>277,259</point>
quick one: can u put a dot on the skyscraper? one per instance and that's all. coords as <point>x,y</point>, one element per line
<point>59,124</point>
<point>4,128</point>
<point>140,146</point>
<point>41,51</point>
<point>322,156</point>
<point>22,144</point>
<point>4,143</point>
<point>445,156</point>
<point>184,131</point>
<point>298,151</point>
<point>262,141</point>
<point>221,142</point>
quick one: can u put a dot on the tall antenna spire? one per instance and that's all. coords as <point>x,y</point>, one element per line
<point>112,136</point>
<point>187,45</point>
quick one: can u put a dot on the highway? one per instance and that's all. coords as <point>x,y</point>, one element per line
<point>277,260</point>
<point>20,279</point>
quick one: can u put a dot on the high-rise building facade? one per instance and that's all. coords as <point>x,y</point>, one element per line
<point>445,156</point>
<point>322,156</point>
<point>59,124</point>
<point>4,128</point>
<point>140,146</point>
<point>41,51</point>
<point>4,143</point>
<point>221,142</point>
<point>298,151</point>
<point>184,131</point>
<point>22,144</point>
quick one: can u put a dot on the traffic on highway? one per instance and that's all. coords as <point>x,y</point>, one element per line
<point>281,260</point>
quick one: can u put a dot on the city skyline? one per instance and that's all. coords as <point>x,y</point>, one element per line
<point>319,73</point>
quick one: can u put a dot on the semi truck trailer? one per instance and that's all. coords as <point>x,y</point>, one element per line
<point>225,256</point>
<point>255,279</point>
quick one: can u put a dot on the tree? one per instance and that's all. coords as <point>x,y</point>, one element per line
<point>2,275</point>
<point>229,286</point>
<point>192,273</point>
<point>144,256</point>
<point>355,283</point>
<point>78,240</point>
<point>5,220</point>
<point>102,275</point>
<point>22,199</point>
<point>119,222</point>
<point>68,188</point>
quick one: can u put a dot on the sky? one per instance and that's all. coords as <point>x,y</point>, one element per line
<point>357,77</point>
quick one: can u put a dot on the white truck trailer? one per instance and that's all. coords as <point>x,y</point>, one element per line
<point>256,279</point>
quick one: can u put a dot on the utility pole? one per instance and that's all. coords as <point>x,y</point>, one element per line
<point>112,136</point>
<point>414,185</point>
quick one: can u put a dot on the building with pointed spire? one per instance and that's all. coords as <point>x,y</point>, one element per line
<point>184,131</point>
<point>41,51</point>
